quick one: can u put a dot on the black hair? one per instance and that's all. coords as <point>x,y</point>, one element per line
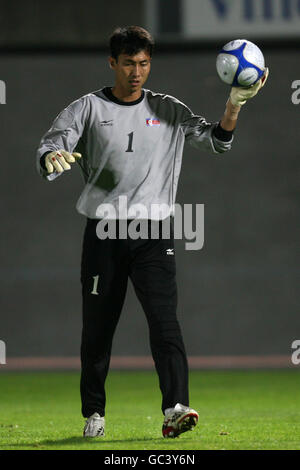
<point>130,40</point>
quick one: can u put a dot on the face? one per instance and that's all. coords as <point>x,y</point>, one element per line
<point>131,71</point>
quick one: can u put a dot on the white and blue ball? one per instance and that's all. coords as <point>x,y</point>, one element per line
<point>240,63</point>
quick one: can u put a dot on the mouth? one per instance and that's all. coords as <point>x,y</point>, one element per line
<point>134,82</point>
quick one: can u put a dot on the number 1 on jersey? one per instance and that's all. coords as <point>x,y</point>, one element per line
<point>129,149</point>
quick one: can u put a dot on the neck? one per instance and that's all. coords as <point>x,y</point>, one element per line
<point>126,95</point>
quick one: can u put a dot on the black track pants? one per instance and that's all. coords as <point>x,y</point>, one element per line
<point>105,268</point>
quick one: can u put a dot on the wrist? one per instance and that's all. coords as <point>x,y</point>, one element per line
<point>222,134</point>
<point>43,160</point>
<point>232,110</point>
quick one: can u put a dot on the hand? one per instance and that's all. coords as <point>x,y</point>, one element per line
<point>59,160</point>
<point>239,96</point>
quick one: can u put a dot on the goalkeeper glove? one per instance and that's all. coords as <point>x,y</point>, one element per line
<point>59,160</point>
<point>239,96</point>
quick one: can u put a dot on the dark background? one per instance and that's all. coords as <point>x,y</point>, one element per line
<point>240,293</point>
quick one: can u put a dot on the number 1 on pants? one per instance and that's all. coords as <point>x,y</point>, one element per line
<point>95,286</point>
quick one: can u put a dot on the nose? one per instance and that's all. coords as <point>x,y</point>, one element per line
<point>136,71</point>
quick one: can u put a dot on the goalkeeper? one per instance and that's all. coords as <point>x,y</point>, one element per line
<point>129,142</point>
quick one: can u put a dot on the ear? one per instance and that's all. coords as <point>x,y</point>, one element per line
<point>112,62</point>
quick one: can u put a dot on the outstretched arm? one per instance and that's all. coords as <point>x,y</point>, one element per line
<point>238,97</point>
<point>56,150</point>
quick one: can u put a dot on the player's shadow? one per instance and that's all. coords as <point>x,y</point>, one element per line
<point>93,441</point>
<point>80,441</point>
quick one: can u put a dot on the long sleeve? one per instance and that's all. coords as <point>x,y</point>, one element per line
<point>64,133</point>
<point>203,135</point>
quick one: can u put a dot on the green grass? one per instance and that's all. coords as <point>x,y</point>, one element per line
<point>238,410</point>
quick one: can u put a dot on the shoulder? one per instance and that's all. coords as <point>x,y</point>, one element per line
<point>163,97</point>
<point>80,104</point>
<point>168,102</point>
<point>77,109</point>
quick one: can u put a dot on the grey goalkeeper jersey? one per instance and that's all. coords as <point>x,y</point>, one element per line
<point>130,152</point>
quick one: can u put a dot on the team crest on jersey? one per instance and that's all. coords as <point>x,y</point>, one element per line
<point>152,122</point>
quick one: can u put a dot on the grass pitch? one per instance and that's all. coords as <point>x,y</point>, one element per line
<point>237,410</point>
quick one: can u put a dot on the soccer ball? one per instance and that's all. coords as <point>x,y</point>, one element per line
<point>240,63</point>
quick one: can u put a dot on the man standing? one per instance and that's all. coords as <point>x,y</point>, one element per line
<point>131,142</point>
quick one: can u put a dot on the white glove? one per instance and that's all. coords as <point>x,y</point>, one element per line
<point>59,160</point>
<point>239,95</point>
